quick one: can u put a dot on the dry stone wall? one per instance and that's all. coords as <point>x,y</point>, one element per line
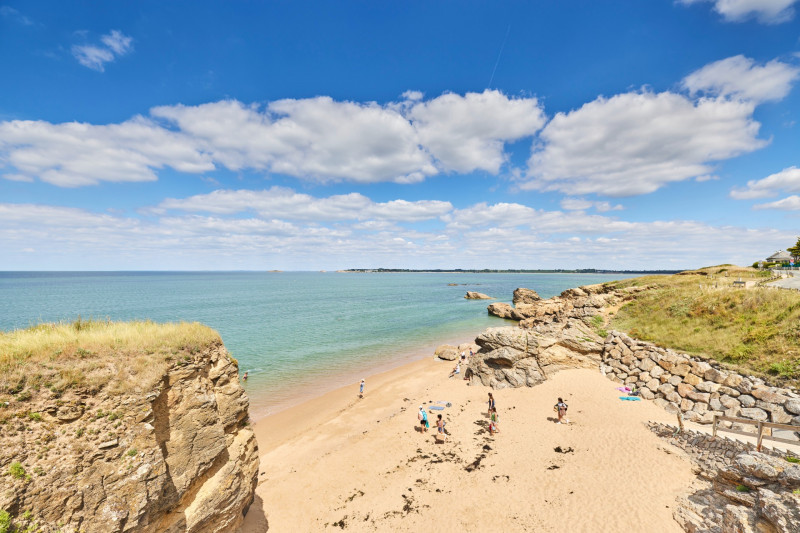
<point>697,388</point>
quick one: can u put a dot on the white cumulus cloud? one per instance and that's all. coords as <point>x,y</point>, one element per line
<point>741,77</point>
<point>314,139</point>
<point>467,133</point>
<point>635,143</point>
<point>790,203</point>
<point>766,11</point>
<point>787,180</point>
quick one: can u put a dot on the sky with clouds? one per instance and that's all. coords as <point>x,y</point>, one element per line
<point>328,135</point>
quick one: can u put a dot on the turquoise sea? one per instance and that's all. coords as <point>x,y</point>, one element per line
<point>298,334</point>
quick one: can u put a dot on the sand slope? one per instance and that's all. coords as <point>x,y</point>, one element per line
<point>364,464</point>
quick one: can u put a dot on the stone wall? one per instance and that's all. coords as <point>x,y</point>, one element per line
<point>738,490</point>
<point>698,388</point>
<point>711,453</point>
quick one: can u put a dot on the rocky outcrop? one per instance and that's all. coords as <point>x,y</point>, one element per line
<point>179,458</point>
<point>552,334</point>
<point>476,296</point>
<point>525,296</point>
<point>515,357</point>
<point>580,303</point>
<point>740,490</point>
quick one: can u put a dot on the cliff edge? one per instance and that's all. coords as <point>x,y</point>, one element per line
<point>123,427</point>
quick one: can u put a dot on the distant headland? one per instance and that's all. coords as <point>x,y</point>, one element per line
<point>511,271</point>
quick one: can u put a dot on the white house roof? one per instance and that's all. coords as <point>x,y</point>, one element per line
<point>781,255</point>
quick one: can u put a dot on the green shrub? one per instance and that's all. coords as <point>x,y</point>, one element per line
<point>35,416</point>
<point>793,459</point>
<point>17,471</point>
<point>742,488</point>
<point>5,521</point>
<point>132,452</point>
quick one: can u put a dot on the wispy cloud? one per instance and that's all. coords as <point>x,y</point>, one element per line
<point>239,229</point>
<point>95,56</point>
<point>8,12</point>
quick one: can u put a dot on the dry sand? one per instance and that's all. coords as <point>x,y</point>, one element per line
<point>362,464</point>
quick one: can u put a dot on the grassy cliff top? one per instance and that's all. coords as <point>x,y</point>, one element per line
<point>701,312</point>
<point>91,354</point>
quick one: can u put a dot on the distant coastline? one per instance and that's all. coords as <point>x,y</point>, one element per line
<point>506,271</point>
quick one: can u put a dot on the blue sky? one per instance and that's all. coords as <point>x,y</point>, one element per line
<point>328,135</point>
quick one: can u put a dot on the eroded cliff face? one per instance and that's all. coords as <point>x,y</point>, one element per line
<point>179,458</point>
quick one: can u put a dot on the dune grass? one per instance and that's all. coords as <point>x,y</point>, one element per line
<point>757,328</point>
<point>92,354</point>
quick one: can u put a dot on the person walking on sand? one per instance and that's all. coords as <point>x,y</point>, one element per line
<point>423,419</point>
<point>361,389</point>
<point>561,408</point>
<point>494,420</point>
<point>491,403</point>
<point>440,428</point>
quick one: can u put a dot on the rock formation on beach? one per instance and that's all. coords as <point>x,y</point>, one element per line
<point>449,352</point>
<point>552,334</point>
<point>525,296</point>
<point>177,457</point>
<point>471,295</point>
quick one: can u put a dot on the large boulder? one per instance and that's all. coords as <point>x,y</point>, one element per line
<point>476,296</point>
<point>525,296</point>
<point>446,352</point>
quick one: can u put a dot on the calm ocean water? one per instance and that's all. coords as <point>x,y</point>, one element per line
<point>299,334</point>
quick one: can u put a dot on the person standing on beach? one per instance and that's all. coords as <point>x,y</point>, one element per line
<point>440,428</point>
<point>491,403</point>
<point>561,408</point>
<point>361,389</point>
<point>423,419</point>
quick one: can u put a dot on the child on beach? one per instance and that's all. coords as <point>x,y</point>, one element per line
<point>561,408</point>
<point>494,420</point>
<point>361,390</point>
<point>491,403</point>
<point>423,419</point>
<point>440,428</point>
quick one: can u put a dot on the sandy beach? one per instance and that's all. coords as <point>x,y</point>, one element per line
<point>338,461</point>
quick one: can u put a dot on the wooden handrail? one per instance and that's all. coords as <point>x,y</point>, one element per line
<point>760,429</point>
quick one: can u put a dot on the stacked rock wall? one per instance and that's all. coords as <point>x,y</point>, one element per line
<point>698,388</point>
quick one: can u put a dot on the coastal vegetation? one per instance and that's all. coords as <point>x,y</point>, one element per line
<point>706,312</point>
<point>94,353</point>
